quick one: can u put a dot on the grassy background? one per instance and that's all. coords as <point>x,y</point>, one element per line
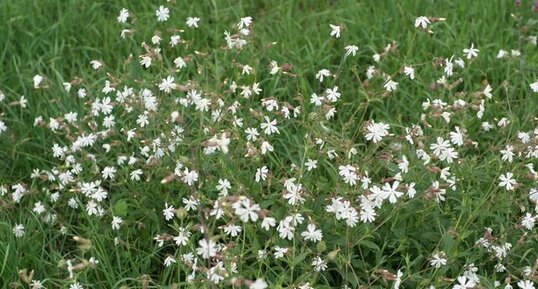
<point>58,39</point>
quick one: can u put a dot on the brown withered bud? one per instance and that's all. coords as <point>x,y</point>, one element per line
<point>76,81</point>
<point>264,213</point>
<point>144,281</point>
<point>25,277</point>
<point>168,178</point>
<point>434,169</point>
<point>429,194</point>
<point>522,239</point>
<point>164,237</point>
<point>286,67</point>
<point>386,275</point>
<point>251,150</point>
<point>439,61</point>
<point>233,199</point>
<point>436,19</point>
<point>384,156</point>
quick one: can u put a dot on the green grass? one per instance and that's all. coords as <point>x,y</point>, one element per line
<point>58,39</point>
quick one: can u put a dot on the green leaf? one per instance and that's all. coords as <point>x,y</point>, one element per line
<point>299,258</point>
<point>120,208</point>
<point>370,244</point>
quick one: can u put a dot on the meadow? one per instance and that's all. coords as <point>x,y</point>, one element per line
<point>268,144</point>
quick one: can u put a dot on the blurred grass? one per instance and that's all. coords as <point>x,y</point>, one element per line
<point>58,39</point>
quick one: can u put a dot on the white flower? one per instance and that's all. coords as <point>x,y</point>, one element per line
<point>528,221</point>
<point>370,72</point>
<point>471,52</point>
<point>534,86</point>
<point>422,22</point>
<point>96,64</point>
<point>311,164</point>
<point>37,80</point>
<point>311,234</point>
<point>219,143</point>
<point>502,54</point>
<point>81,93</point>
<point>36,284</point>
<point>464,283</point>
<point>261,174</point>
<point>252,134</point>
<point>116,222</point>
<point>168,212</point>
<point>174,40</point>
<point>258,284</point>
<point>179,62</point>
<point>169,261</point>
<point>316,100</point>
<point>486,126</point>
<point>3,127</point>
<point>266,147</point>
<point>285,228</point>
<point>487,91</point>
<point>192,21</point>
<point>390,85</point>
<point>279,252</point>
<point>326,73</point>
<point>75,285</point>
<point>191,203</point>
<point>244,22</point>
<point>246,211</point>
<point>216,274</point>
<point>167,84</point>
<point>398,280</point>
<point>348,173</point>
<point>391,191</point>
<point>124,14</point>
<point>274,67</point>
<point>319,264</point>
<point>459,62</point>
<point>18,230</point>
<point>409,71</point>
<point>525,284</point>
<point>183,237</point>
<point>335,30</point>
<point>438,260</point>
<point>163,13</point>
<point>135,175</point>
<point>332,94</point>
<point>508,154</point>
<point>367,213</point>
<point>232,230</point>
<point>507,181</point>
<point>404,165</point>
<point>268,223</point>
<point>206,248</point>
<point>269,126</point>
<point>246,69</point>
<point>108,173</point>
<point>223,186</point>
<point>376,131</point>
<point>351,50</point>
<point>456,137</point>
<point>156,39</point>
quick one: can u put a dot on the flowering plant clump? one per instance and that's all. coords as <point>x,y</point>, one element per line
<point>186,163</point>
